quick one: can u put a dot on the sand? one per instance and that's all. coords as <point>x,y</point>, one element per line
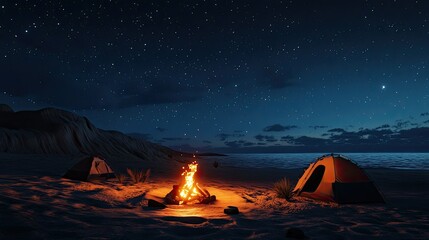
<point>35,203</point>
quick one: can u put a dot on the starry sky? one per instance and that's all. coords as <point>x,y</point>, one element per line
<point>226,75</point>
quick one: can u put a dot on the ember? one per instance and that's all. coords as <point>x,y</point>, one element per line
<point>189,191</point>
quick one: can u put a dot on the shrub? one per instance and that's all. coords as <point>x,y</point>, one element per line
<point>146,175</point>
<point>138,176</point>
<point>120,177</point>
<point>283,189</point>
<point>215,164</point>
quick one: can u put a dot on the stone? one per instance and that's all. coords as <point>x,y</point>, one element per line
<point>155,204</point>
<point>171,197</point>
<point>208,200</point>
<point>231,210</point>
<point>295,233</point>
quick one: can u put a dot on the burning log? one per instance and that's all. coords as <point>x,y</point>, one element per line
<point>189,191</point>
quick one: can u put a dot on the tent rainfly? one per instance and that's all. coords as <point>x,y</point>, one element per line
<point>334,178</point>
<point>90,168</point>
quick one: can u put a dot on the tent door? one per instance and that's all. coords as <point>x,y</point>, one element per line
<point>313,182</point>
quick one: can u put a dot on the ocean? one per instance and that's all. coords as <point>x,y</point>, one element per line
<point>302,160</point>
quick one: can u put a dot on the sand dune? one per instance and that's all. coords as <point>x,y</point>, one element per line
<point>54,131</point>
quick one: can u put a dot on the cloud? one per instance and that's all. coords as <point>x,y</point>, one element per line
<point>424,114</point>
<point>278,128</point>
<point>288,139</point>
<point>266,138</point>
<point>309,141</point>
<point>336,130</point>
<point>413,136</point>
<point>401,124</point>
<point>378,138</point>
<point>403,136</point>
<point>384,126</point>
<point>238,144</point>
<point>225,136</point>
<point>318,127</point>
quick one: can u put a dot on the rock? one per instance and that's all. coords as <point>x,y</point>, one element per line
<point>295,233</point>
<point>208,200</point>
<point>155,204</point>
<point>171,197</point>
<point>230,210</point>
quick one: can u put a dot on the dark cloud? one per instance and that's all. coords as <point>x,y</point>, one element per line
<point>266,138</point>
<point>336,130</point>
<point>288,139</point>
<point>318,127</point>
<point>224,136</point>
<point>382,138</point>
<point>413,136</point>
<point>233,144</point>
<point>424,114</point>
<point>401,124</point>
<point>248,144</point>
<point>207,141</point>
<point>238,144</point>
<point>384,126</point>
<point>278,128</point>
<point>310,141</point>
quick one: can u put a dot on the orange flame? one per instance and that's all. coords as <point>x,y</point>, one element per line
<point>189,191</point>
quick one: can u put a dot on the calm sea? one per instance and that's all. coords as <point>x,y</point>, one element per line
<point>301,160</point>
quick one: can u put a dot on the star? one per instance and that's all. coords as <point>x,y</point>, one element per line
<point>383,87</point>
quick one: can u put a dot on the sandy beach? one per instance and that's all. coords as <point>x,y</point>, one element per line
<point>36,203</point>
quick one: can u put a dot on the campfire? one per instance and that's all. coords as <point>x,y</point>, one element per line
<point>189,191</point>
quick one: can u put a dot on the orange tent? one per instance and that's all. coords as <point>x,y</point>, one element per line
<point>335,178</point>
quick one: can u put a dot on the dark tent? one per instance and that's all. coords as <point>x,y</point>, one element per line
<point>337,179</point>
<point>90,168</point>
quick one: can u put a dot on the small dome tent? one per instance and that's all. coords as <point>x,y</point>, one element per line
<point>335,178</point>
<point>90,168</point>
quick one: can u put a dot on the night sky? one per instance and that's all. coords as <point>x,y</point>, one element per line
<point>225,75</point>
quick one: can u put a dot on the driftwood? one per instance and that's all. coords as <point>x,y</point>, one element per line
<point>173,197</point>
